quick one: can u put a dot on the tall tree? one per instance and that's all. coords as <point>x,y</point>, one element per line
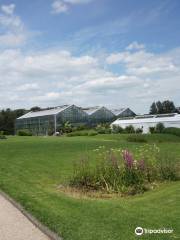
<point>168,107</point>
<point>159,107</point>
<point>153,109</point>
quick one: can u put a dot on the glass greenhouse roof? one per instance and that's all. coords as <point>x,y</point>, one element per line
<point>48,112</point>
<point>91,110</point>
<point>118,111</point>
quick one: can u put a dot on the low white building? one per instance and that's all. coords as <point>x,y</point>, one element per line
<point>146,121</point>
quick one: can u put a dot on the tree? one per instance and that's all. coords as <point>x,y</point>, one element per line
<point>159,128</point>
<point>7,119</point>
<point>35,109</point>
<point>153,109</point>
<point>159,107</point>
<point>162,107</point>
<point>168,107</point>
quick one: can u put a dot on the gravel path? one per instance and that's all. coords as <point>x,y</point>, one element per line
<point>15,226</point>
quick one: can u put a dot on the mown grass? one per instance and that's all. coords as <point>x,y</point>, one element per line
<point>32,168</point>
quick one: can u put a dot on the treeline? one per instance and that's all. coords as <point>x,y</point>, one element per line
<point>7,120</point>
<point>163,107</point>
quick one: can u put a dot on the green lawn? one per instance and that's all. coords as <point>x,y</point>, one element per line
<point>31,168</point>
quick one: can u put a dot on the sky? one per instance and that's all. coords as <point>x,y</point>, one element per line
<point>116,53</point>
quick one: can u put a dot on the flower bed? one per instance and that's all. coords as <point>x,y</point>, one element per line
<point>123,171</point>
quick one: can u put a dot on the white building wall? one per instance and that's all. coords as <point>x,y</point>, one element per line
<point>146,123</point>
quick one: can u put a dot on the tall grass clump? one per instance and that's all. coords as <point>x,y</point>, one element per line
<point>123,171</point>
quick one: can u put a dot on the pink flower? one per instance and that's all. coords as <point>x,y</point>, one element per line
<point>128,158</point>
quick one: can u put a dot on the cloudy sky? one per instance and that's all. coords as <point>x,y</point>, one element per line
<point>89,52</point>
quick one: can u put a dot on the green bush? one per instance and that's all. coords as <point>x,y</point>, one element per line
<point>117,129</point>
<point>172,130</point>
<point>159,128</point>
<point>139,130</point>
<point>92,133</point>
<point>24,133</point>
<point>78,133</point>
<point>136,138</point>
<point>3,137</point>
<point>129,129</point>
<point>152,130</point>
<point>103,129</point>
<point>81,133</point>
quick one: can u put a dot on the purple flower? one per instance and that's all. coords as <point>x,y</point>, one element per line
<point>128,158</point>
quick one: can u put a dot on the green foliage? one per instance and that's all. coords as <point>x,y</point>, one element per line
<point>172,130</point>
<point>129,129</point>
<point>2,137</point>
<point>82,133</point>
<point>7,120</point>
<point>168,170</point>
<point>103,129</point>
<point>92,133</point>
<point>67,128</point>
<point>118,170</point>
<point>35,109</point>
<point>78,133</point>
<point>162,107</point>
<point>117,129</point>
<point>159,128</point>
<point>139,130</point>
<point>152,130</point>
<point>136,138</point>
<point>24,133</point>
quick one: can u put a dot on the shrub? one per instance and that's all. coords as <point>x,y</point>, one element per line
<point>168,168</point>
<point>139,130</point>
<point>78,133</point>
<point>117,129</point>
<point>172,130</point>
<point>136,138</point>
<point>24,133</point>
<point>92,133</point>
<point>103,129</point>
<point>130,129</point>
<point>3,137</point>
<point>122,171</point>
<point>1,133</point>
<point>159,128</point>
<point>152,130</point>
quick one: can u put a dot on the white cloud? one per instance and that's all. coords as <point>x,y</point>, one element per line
<point>8,9</point>
<point>62,6</point>
<point>12,29</point>
<point>135,46</point>
<point>59,7</point>
<point>142,62</point>
<point>12,40</point>
<point>56,77</point>
<point>27,87</point>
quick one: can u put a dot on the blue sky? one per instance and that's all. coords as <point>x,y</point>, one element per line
<point>89,52</point>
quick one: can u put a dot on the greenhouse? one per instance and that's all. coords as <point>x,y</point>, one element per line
<point>146,121</point>
<point>49,121</point>
<point>123,112</point>
<point>99,115</point>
